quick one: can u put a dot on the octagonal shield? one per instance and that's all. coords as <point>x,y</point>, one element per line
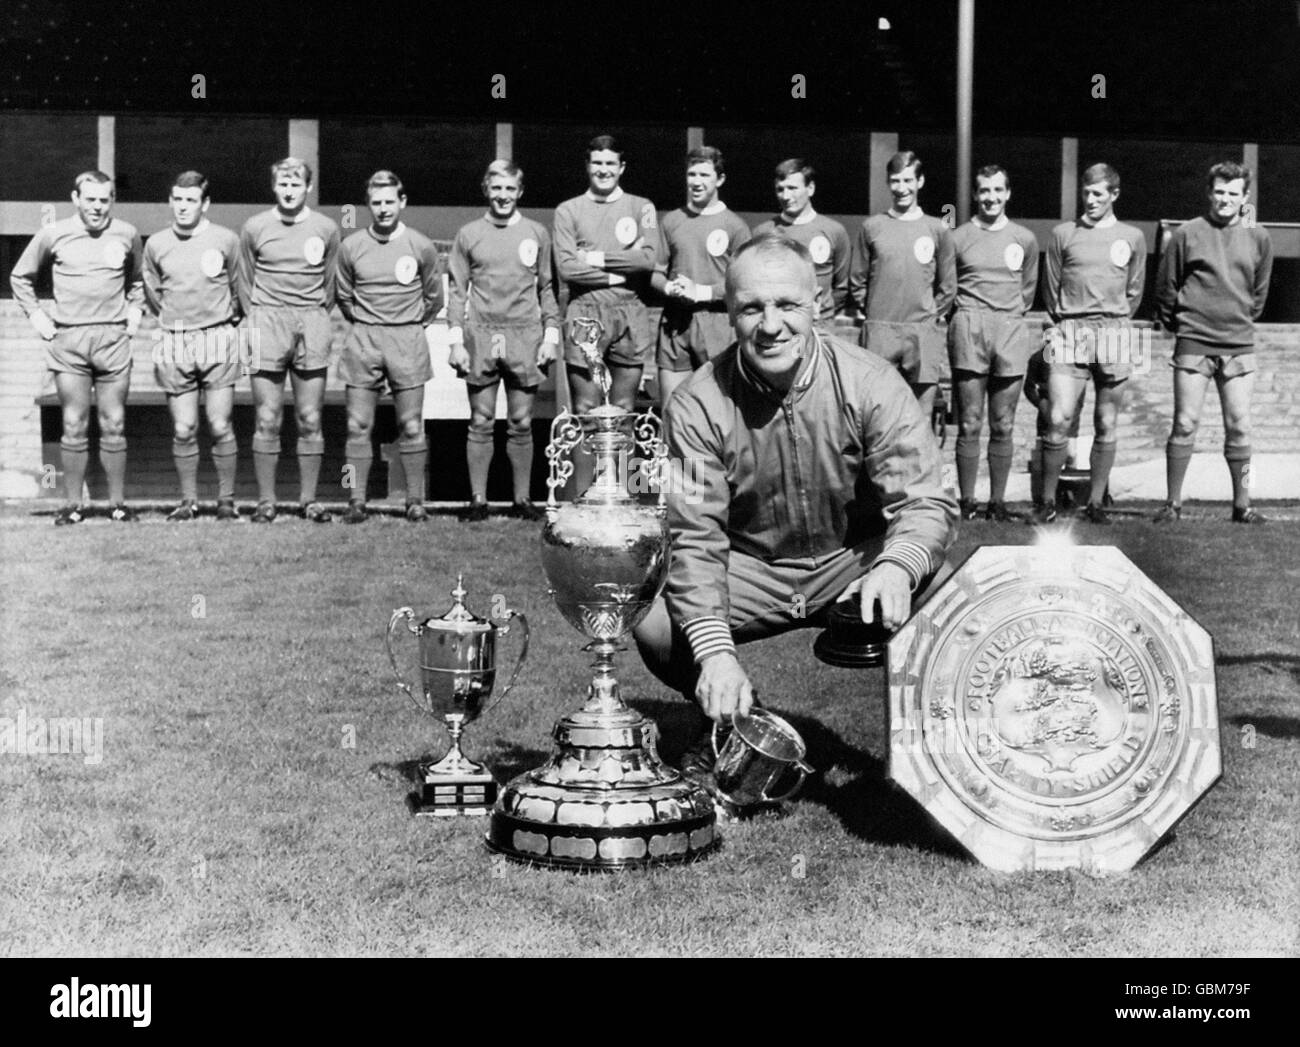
<point>1053,708</point>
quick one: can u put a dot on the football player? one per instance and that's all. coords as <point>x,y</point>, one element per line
<point>95,259</point>
<point>903,280</point>
<point>698,242</point>
<point>606,247</point>
<point>389,287</point>
<point>286,286</point>
<point>1095,268</point>
<point>988,340</point>
<point>826,240</point>
<point>504,325</point>
<point>190,285</point>
<point>1210,289</point>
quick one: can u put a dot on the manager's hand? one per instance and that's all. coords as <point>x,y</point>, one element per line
<point>892,586</point>
<point>723,687</point>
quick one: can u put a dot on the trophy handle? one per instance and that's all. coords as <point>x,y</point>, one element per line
<point>523,653</point>
<point>401,614</point>
<point>804,770</point>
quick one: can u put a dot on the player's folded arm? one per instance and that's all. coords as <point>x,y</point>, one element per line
<point>570,262</point>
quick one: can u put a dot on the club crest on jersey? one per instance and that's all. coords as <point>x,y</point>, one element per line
<point>625,231</point>
<point>211,262</point>
<point>405,269</point>
<point>820,249</point>
<point>1120,253</point>
<point>1014,256</point>
<point>314,250</point>
<point>528,252</point>
<point>114,254</point>
<point>717,243</point>
<point>923,249</point>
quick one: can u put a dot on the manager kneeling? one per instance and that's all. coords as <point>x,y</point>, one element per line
<point>817,476</point>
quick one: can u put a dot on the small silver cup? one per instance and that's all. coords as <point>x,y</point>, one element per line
<point>758,752</point>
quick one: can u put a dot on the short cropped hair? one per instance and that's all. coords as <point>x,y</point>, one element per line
<point>705,154</point>
<point>991,171</point>
<point>503,169</point>
<point>1101,173</point>
<point>900,162</point>
<point>192,180</point>
<point>384,179</point>
<point>91,176</point>
<point>769,244</point>
<point>1227,171</point>
<point>795,165</point>
<point>291,165</point>
<point>603,142</point>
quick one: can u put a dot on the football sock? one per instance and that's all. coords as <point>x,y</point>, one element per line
<point>1054,455</point>
<point>225,456</point>
<point>112,456</point>
<point>185,453</point>
<point>359,455</point>
<point>1001,449</point>
<point>1238,457</point>
<point>266,456</point>
<point>519,449</point>
<point>478,455</point>
<point>1178,456</point>
<point>1100,461</point>
<point>415,460</point>
<point>75,454</point>
<point>968,465</point>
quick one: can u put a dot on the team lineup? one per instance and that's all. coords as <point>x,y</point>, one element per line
<point>258,302</point>
<point>921,289</point>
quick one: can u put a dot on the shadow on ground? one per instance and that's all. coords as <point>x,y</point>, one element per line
<point>868,805</point>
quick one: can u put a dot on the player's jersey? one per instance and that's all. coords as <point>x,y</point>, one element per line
<point>501,274</point>
<point>997,269</point>
<point>288,263</point>
<point>828,243</point>
<point>96,275</point>
<point>699,246</point>
<point>190,279</point>
<point>1094,270</point>
<point>625,228</point>
<point>390,281</point>
<point>1213,282</point>
<point>903,269</point>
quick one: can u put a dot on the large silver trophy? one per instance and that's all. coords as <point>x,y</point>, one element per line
<point>458,669</point>
<point>605,800</point>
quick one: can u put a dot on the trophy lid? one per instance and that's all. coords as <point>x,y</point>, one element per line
<point>460,618</point>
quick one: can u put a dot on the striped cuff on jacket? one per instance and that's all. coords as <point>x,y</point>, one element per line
<point>911,557</point>
<point>708,636</point>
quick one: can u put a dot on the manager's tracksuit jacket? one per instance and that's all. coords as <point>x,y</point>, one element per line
<point>842,465</point>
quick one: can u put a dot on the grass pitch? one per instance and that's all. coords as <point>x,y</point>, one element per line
<point>250,794</point>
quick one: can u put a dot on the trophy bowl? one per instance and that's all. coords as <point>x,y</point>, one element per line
<point>605,800</point>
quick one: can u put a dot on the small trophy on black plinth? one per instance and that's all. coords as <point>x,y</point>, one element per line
<point>457,673</point>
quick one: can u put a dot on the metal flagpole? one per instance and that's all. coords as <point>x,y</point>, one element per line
<point>965,79</point>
